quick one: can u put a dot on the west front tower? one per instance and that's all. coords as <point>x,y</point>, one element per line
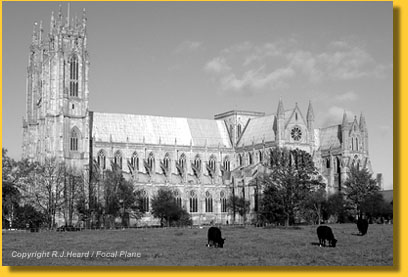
<point>56,122</point>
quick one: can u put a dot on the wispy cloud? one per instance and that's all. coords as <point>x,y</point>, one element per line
<point>334,115</point>
<point>271,65</point>
<point>348,96</point>
<point>188,46</point>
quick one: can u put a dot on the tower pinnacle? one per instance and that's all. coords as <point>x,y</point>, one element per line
<point>281,111</point>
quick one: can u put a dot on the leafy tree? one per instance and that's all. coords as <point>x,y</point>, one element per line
<point>28,216</point>
<point>358,187</point>
<point>313,205</point>
<point>236,204</point>
<point>337,207</point>
<point>120,198</point>
<point>10,193</point>
<point>271,205</point>
<point>165,208</point>
<point>291,179</point>
<point>374,206</point>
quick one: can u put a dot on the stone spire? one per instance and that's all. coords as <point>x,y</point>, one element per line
<point>40,39</point>
<point>35,33</point>
<point>362,124</point>
<point>310,113</point>
<point>281,112</point>
<point>52,22</point>
<point>84,19</point>
<point>344,122</point>
<point>68,14</point>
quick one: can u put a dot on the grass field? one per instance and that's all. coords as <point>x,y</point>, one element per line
<point>243,246</point>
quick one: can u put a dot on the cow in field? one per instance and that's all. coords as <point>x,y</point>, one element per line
<point>362,225</point>
<point>325,233</point>
<point>214,237</point>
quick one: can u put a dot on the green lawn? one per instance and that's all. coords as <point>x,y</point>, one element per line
<point>243,246</point>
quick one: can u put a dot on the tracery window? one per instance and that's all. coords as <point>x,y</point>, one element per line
<point>177,198</point>
<point>73,76</point>
<point>145,201</point>
<point>102,159</point>
<point>118,159</point>
<point>166,161</point>
<point>134,161</point>
<point>212,163</point>
<point>193,202</point>
<point>227,165</point>
<point>239,130</point>
<point>208,202</point>
<point>223,201</point>
<point>182,161</point>
<point>197,162</point>
<point>150,160</point>
<point>74,140</point>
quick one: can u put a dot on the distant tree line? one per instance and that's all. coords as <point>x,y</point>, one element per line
<point>290,190</point>
<point>36,194</point>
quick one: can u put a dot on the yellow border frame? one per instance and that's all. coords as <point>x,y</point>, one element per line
<point>400,39</point>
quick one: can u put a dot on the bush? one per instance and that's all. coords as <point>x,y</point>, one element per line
<point>28,216</point>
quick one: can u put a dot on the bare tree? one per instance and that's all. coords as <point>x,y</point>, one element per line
<point>47,188</point>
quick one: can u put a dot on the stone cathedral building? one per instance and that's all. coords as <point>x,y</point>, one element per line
<point>201,160</point>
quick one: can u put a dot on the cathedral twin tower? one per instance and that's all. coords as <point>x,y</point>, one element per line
<point>57,119</point>
<point>199,159</point>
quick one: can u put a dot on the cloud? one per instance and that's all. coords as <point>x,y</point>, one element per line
<point>188,46</point>
<point>271,65</point>
<point>348,96</point>
<point>334,115</point>
<point>218,65</point>
<point>385,130</point>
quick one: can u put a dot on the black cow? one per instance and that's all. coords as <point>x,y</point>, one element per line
<point>362,225</point>
<point>325,233</point>
<point>214,237</point>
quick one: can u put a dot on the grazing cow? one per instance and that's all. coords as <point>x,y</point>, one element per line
<point>214,237</point>
<point>325,233</point>
<point>362,225</point>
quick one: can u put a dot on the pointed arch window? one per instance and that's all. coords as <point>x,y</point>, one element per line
<point>118,159</point>
<point>240,160</point>
<point>177,198</point>
<point>196,166</point>
<point>223,200</point>
<point>193,202</point>
<point>250,158</point>
<point>208,202</point>
<point>150,160</point>
<point>182,161</point>
<point>166,161</point>
<point>74,140</point>
<point>134,161</point>
<point>212,163</point>
<point>73,76</point>
<point>260,156</point>
<point>197,162</point>
<point>102,160</point>
<point>145,201</point>
<point>239,130</point>
<point>227,165</point>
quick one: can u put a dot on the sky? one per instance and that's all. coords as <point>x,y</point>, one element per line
<point>198,59</point>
